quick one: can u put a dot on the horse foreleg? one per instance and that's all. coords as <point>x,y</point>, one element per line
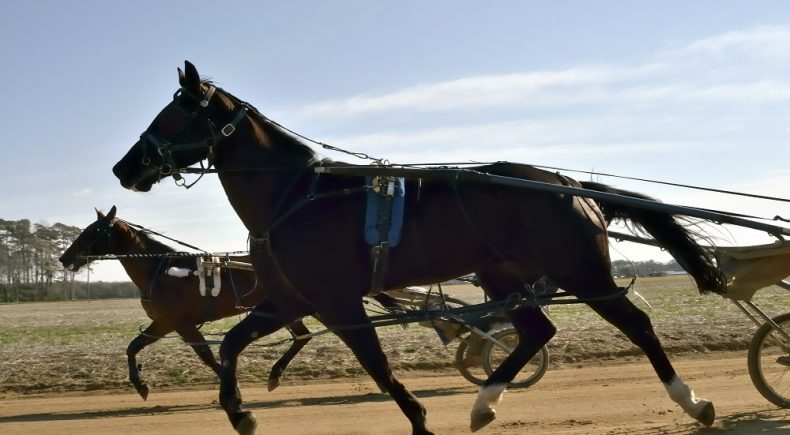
<point>261,321</point>
<point>534,330</point>
<point>299,329</point>
<point>359,335</point>
<point>636,325</point>
<point>148,336</point>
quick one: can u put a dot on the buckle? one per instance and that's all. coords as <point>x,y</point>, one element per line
<point>228,130</point>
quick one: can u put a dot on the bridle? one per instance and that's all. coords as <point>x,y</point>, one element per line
<point>100,240</point>
<point>150,141</point>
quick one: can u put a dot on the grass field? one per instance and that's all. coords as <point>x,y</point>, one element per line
<point>80,345</point>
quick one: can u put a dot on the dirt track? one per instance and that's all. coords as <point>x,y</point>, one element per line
<point>599,399</point>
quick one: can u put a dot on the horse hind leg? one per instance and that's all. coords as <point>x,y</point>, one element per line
<point>636,325</point>
<point>150,335</point>
<point>534,330</point>
<point>299,329</point>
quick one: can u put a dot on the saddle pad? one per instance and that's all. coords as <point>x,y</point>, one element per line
<point>375,200</point>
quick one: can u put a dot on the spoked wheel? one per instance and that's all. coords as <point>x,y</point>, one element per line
<point>469,360</point>
<point>769,361</point>
<point>494,354</point>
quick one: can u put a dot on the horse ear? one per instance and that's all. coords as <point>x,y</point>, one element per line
<point>99,215</point>
<point>189,78</point>
<point>111,214</point>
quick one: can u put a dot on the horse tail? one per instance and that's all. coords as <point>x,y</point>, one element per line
<point>677,239</point>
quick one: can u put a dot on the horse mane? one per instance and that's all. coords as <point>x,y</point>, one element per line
<point>142,239</point>
<point>290,146</point>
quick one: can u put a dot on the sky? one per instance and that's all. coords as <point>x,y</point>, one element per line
<point>687,92</point>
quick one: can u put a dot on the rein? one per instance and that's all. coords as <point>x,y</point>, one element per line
<point>144,230</point>
<point>149,231</point>
<point>162,255</point>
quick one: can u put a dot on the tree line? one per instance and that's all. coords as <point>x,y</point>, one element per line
<point>623,268</point>
<point>30,270</point>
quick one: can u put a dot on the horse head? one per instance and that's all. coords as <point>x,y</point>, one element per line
<point>184,133</point>
<point>93,240</point>
<point>199,124</point>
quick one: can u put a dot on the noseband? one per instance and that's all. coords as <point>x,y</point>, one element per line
<point>166,147</point>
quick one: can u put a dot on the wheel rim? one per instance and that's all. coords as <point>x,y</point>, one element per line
<point>774,363</point>
<point>533,370</point>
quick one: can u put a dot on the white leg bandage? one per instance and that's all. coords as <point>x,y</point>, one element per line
<point>683,395</point>
<point>487,397</point>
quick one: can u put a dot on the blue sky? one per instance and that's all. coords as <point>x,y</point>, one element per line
<point>690,92</point>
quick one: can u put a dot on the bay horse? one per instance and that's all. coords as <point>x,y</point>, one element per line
<point>172,303</point>
<point>307,243</point>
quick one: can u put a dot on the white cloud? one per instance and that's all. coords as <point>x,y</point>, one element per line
<point>506,140</point>
<point>85,191</point>
<point>478,91</point>
<point>769,42</point>
<point>740,67</point>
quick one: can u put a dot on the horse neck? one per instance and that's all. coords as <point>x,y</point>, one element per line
<point>141,270</point>
<point>256,176</point>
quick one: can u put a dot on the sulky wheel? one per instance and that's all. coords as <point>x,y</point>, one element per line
<point>469,360</point>
<point>769,361</point>
<point>494,354</point>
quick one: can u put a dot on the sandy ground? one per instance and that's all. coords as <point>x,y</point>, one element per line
<point>602,398</point>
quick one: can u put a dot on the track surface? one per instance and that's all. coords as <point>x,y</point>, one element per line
<point>599,399</point>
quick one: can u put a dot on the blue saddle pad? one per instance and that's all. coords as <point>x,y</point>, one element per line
<point>374,202</point>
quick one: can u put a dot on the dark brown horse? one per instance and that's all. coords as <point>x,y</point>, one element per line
<point>172,303</point>
<point>308,247</point>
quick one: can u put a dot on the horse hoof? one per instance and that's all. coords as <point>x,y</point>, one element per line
<point>273,383</point>
<point>708,415</point>
<point>481,420</point>
<point>247,424</point>
<point>142,390</point>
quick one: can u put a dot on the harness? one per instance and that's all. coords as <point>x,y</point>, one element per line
<point>382,230</point>
<point>383,218</point>
<point>209,274</point>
